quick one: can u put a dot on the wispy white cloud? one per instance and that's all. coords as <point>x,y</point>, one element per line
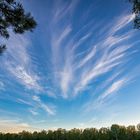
<point>36,98</point>
<point>49,109</point>
<point>111,87</point>
<point>110,57</point>
<point>88,57</point>
<point>122,22</point>
<point>33,112</point>
<point>58,40</point>
<point>27,78</point>
<point>114,87</point>
<point>2,86</point>
<point>22,101</point>
<point>103,65</point>
<point>66,78</point>
<point>72,72</point>
<point>62,10</point>
<point>17,62</point>
<point>51,94</point>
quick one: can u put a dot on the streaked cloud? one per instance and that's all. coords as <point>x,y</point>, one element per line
<point>17,62</point>
<point>33,112</point>
<point>22,101</point>
<point>2,87</point>
<point>24,77</point>
<point>114,87</point>
<point>49,109</point>
<point>73,73</point>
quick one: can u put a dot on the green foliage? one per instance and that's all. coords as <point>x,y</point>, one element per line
<point>115,132</point>
<point>138,126</point>
<point>136,10</point>
<point>13,16</point>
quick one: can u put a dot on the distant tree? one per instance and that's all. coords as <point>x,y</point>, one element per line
<point>138,131</point>
<point>50,135</point>
<point>131,132</point>
<point>74,134</point>
<point>59,134</point>
<point>42,135</point>
<point>123,133</point>
<point>115,129</point>
<point>13,16</point>
<point>25,135</point>
<point>138,127</point>
<point>136,10</point>
<point>35,136</point>
<point>86,135</point>
<point>104,133</point>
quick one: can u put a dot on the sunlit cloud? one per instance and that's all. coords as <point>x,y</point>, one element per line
<point>14,126</point>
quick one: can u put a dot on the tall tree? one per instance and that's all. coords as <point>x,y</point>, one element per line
<point>136,10</point>
<point>13,16</point>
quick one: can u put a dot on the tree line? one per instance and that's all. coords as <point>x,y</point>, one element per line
<point>115,132</point>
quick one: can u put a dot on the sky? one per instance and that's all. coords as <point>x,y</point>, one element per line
<point>79,68</point>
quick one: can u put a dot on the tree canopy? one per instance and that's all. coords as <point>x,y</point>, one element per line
<point>13,16</point>
<point>136,10</point>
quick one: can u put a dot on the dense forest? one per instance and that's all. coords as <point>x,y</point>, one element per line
<point>115,132</point>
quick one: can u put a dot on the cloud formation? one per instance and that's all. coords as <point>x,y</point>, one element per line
<point>75,69</point>
<point>75,64</point>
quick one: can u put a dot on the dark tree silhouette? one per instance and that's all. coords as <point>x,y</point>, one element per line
<point>136,10</point>
<point>13,16</point>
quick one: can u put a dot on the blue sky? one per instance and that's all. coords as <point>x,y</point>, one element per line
<point>79,68</point>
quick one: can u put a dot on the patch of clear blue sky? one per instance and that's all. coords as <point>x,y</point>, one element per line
<point>50,79</point>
